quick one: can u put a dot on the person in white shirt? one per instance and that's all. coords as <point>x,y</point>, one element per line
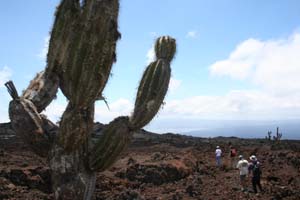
<point>243,165</point>
<point>218,156</point>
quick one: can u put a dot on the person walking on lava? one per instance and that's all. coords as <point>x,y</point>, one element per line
<point>255,173</point>
<point>243,165</point>
<point>218,156</point>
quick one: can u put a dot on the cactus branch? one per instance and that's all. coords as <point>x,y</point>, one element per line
<point>154,84</point>
<point>115,138</point>
<point>151,92</point>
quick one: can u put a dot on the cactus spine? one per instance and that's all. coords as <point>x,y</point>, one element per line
<point>80,57</point>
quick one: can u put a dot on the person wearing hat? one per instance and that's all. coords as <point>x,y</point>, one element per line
<point>255,172</point>
<point>243,165</point>
<point>218,156</point>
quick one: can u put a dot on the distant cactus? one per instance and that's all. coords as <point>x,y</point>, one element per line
<point>269,136</point>
<point>278,136</point>
<point>80,57</point>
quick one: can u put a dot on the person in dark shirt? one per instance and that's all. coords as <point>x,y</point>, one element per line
<point>232,157</point>
<point>255,173</point>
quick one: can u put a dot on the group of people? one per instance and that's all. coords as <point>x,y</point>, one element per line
<point>246,169</point>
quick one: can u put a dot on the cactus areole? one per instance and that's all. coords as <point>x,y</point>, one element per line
<point>81,53</point>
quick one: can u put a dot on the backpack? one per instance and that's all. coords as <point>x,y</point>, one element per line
<point>233,152</point>
<point>256,170</point>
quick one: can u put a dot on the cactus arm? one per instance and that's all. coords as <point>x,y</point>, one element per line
<point>91,53</point>
<point>114,139</point>
<point>116,135</point>
<point>154,84</point>
<point>151,93</point>
<point>61,35</point>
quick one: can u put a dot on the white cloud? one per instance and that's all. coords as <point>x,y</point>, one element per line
<point>241,60</point>
<point>55,110</point>
<point>4,103</point>
<point>192,34</point>
<point>120,107</point>
<point>150,55</point>
<point>174,84</point>
<point>237,104</point>
<point>44,51</point>
<point>5,74</point>
<point>273,65</point>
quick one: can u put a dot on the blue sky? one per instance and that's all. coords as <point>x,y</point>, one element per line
<point>235,60</point>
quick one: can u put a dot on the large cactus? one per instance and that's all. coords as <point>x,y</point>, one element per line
<point>81,53</point>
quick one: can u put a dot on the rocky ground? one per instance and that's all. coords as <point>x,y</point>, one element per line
<point>161,167</point>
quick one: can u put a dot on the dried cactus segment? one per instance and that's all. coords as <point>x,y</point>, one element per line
<point>42,90</point>
<point>12,90</point>
<point>151,92</point>
<point>75,127</point>
<point>27,123</point>
<point>115,138</point>
<point>165,48</point>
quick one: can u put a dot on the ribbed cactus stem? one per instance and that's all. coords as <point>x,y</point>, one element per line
<point>165,48</point>
<point>86,65</point>
<point>154,84</point>
<point>151,92</point>
<point>90,52</point>
<point>115,138</point>
<point>66,16</point>
<point>75,127</point>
